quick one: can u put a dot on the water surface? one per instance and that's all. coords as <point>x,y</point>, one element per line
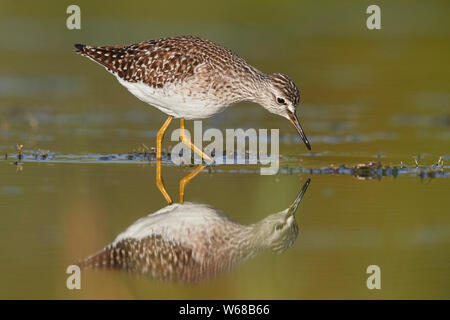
<point>375,107</point>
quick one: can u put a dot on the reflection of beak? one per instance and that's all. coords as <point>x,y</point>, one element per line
<point>294,120</point>
<point>293,207</point>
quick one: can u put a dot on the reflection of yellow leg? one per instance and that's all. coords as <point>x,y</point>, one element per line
<point>188,142</point>
<point>159,181</point>
<point>186,179</point>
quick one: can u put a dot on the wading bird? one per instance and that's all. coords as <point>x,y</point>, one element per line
<point>189,78</point>
<point>191,242</point>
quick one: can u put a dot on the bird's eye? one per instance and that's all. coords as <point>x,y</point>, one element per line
<point>279,226</point>
<point>280,101</point>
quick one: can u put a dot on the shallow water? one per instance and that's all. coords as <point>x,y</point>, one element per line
<point>375,107</point>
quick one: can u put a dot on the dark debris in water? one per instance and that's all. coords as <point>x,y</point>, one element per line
<point>366,171</point>
<point>40,155</point>
<point>375,170</point>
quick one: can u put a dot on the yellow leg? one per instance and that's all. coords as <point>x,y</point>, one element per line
<point>188,142</point>
<point>186,179</point>
<point>159,138</point>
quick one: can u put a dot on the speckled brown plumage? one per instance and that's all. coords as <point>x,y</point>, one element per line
<point>152,256</point>
<point>193,78</point>
<point>166,60</point>
<point>176,59</point>
<point>192,242</point>
<point>162,259</point>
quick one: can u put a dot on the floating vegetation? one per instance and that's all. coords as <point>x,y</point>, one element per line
<point>375,170</point>
<point>25,155</point>
<point>144,154</point>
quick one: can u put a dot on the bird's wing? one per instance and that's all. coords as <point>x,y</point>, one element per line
<point>152,256</point>
<point>161,61</point>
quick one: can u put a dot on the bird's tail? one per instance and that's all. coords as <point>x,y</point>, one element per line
<point>109,57</point>
<point>107,258</point>
<point>80,48</point>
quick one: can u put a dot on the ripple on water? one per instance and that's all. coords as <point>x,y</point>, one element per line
<point>287,165</point>
<point>11,190</point>
<point>22,86</point>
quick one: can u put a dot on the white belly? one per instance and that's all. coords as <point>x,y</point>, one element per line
<point>176,222</point>
<point>175,101</point>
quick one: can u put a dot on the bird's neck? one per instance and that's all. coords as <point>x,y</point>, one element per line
<point>245,243</point>
<point>253,88</point>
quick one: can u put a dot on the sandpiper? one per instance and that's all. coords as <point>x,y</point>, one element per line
<point>190,242</point>
<point>189,78</point>
<point>193,78</point>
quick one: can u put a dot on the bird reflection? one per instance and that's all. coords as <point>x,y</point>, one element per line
<point>189,242</point>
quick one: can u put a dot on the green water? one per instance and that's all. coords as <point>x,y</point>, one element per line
<point>368,96</point>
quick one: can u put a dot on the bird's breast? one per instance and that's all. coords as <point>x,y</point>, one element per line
<point>181,101</point>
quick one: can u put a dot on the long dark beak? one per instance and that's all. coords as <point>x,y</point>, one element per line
<point>294,205</point>
<point>294,120</point>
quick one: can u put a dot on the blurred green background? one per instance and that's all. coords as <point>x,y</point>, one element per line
<point>368,95</point>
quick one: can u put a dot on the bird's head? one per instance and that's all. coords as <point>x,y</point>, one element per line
<point>280,96</point>
<point>278,232</point>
